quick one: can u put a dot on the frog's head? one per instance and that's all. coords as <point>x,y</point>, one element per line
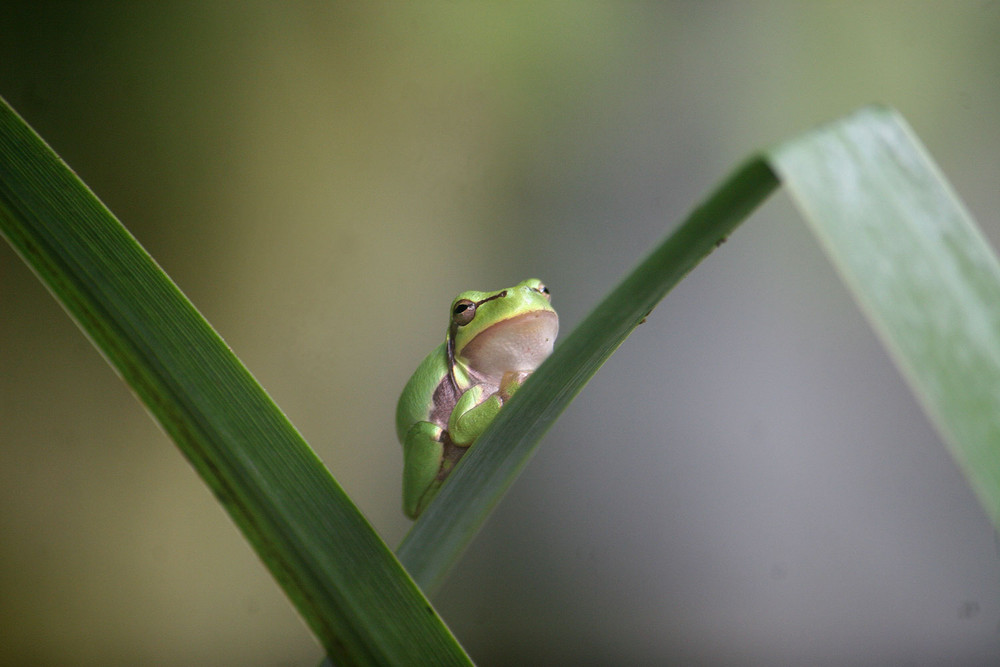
<point>506,331</point>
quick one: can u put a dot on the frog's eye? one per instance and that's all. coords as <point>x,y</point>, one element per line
<point>463,312</point>
<point>543,289</point>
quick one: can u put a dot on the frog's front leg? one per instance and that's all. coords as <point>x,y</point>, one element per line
<point>423,452</point>
<point>472,414</point>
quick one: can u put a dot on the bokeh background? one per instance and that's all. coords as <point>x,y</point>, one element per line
<point>747,481</point>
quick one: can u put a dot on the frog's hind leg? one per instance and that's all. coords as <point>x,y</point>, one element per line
<point>423,452</point>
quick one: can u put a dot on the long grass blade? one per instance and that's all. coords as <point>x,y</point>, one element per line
<point>341,576</point>
<point>907,250</point>
<point>448,524</point>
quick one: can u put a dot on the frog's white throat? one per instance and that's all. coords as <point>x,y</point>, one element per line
<point>520,343</point>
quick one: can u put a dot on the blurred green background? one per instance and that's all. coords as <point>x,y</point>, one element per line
<point>746,481</point>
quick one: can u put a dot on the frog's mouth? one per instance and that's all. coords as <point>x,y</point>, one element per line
<point>520,343</point>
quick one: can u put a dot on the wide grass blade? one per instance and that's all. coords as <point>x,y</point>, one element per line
<point>345,582</point>
<point>919,268</point>
<point>907,250</point>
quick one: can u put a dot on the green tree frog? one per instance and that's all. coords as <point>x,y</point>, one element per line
<point>495,340</point>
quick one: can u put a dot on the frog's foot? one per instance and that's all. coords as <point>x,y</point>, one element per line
<point>451,455</point>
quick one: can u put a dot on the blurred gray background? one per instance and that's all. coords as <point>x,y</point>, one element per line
<point>747,481</point>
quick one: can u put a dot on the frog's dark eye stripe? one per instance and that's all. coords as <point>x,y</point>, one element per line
<point>498,295</point>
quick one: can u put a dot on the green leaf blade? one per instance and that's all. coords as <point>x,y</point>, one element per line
<point>903,243</point>
<point>484,474</point>
<point>919,268</point>
<point>348,586</point>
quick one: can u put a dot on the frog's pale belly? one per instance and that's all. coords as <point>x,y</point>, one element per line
<point>521,343</point>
